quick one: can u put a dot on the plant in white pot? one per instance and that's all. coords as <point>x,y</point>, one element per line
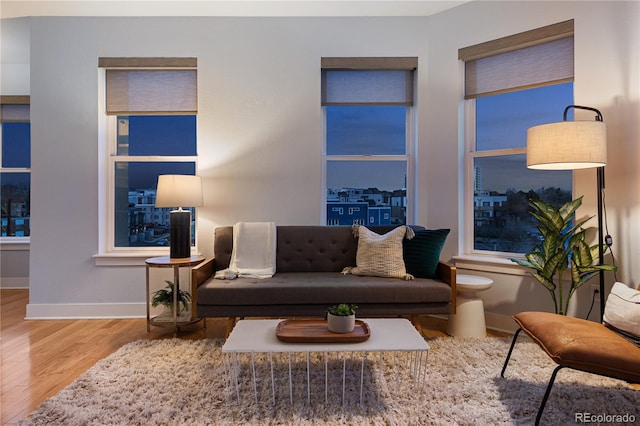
<point>341,318</point>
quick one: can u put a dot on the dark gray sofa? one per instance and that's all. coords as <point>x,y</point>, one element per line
<point>308,279</point>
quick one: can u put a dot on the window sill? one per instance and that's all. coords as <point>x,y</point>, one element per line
<point>482,263</point>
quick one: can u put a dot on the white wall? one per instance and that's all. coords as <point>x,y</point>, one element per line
<point>260,128</point>
<point>606,77</point>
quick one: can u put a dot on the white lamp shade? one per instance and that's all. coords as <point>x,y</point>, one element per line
<point>179,191</point>
<point>567,145</point>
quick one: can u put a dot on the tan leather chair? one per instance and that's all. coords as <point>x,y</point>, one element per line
<point>579,344</point>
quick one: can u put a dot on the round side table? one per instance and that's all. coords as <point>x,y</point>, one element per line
<point>175,264</point>
<point>468,321</point>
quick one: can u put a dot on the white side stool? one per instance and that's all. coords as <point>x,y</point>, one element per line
<point>468,321</point>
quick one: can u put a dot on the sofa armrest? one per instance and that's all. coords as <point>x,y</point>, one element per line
<point>447,274</point>
<point>199,274</point>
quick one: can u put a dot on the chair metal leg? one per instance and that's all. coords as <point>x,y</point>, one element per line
<point>513,343</point>
<point>547,392</point>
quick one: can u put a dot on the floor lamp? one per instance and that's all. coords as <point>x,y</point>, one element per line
<point>179,191</point>
<point>570,145</point>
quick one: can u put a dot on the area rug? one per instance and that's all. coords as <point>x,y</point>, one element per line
<point>183,382</point>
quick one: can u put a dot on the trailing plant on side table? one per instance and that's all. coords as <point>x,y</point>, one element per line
<point>563,246</point>
<point>164,297</point>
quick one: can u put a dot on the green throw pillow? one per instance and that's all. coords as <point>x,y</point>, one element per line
<point>422,253</point>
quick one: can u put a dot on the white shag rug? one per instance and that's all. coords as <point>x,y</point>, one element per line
<point>183,382</point>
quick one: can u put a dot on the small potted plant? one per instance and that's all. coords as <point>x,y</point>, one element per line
<point>341,318</point>
<point>164,297</point>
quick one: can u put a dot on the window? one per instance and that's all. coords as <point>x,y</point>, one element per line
<point>15,166</point>
<point>505,95</point>
<point>151,126</point>
<point>368,106</point>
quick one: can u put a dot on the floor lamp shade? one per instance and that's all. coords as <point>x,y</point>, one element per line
<point>567,145</point>
<point>179,191</point>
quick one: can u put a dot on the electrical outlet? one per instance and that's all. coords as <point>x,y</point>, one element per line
<point>595,289</point>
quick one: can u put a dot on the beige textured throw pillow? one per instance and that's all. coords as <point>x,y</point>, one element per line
<point>380,255</point>
<point>622,309</point>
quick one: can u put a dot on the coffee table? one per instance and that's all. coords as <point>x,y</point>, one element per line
<point>387,335</point>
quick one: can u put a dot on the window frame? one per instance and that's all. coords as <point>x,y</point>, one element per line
<point>408,158</point>
<point>15,100</point>
<point>113,158</point>
<point>108,254</point>
<point>367,64</point>
<point>507,45</point>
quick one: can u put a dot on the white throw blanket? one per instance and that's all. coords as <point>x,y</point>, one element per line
<point>254,251</point>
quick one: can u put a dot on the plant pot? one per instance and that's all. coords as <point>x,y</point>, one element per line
<point>341,324</point>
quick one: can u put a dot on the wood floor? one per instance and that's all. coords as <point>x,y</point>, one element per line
<point>39,358</point>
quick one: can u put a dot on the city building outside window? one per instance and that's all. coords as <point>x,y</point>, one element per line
<point>368,106</point>
<point>151,125</point>
<point>15,166</point>
<point>512,84</point>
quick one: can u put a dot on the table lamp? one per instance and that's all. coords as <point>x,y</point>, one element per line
<point>179,191</point>
<point>570,145</point>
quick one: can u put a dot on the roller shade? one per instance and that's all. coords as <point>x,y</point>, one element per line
<point>368,81</point>
<point>137,86</point>
<point>15,109</point>
<point>535,58</point>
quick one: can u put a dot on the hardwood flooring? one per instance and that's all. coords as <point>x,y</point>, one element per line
<point>41,357</point>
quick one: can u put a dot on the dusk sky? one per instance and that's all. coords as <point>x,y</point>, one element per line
<point>502,122</point>
<point>157,135</point>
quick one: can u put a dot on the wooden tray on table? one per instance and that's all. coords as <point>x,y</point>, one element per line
<point>317,331</point>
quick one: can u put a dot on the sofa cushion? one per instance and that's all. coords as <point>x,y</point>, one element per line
<point>380,255</point>
<point>325,288</point>
<point>583,345</point>
<point>422,252</point>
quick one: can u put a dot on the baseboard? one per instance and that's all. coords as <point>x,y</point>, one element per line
<point>14,283</point>
<point>501,323</point>
<point>85,311</point>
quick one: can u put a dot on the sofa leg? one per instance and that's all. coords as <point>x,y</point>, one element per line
<point>513,343</point>
<point>415,320</point>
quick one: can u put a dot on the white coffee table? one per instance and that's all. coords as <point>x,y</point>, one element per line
<point>387,335</point>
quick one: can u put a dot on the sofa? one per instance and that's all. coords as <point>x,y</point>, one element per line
<point>309,278</point>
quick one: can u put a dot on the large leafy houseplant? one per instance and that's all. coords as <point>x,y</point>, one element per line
<point>563,247</point>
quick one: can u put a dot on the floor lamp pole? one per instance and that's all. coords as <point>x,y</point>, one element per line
<point>600,183</point>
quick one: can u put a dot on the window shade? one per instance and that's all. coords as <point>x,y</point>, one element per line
<point>368,81</point>
<point>14,109</point>
<point>150,85</point>
<point>534,58</point>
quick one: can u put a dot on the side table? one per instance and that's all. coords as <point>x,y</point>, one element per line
<point>468,321</point>
<point>176,264</point>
